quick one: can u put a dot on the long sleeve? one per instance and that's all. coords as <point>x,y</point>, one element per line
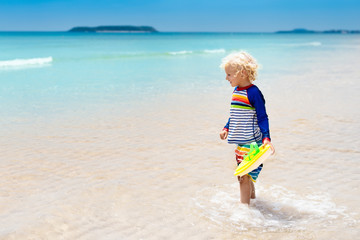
<point>258,102</point>
<point>227,125</point>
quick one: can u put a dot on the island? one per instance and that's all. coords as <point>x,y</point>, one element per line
<point>114,29</point>
<point>302,31</point>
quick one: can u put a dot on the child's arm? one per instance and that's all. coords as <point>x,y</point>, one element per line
<point>258,102</point>
<point>224,133</point>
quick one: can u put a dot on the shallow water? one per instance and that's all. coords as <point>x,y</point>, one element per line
<point>141,159</point>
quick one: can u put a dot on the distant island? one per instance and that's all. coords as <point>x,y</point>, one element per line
<point>148,29</point>
<point>124,29</point>
<point>302,30</point>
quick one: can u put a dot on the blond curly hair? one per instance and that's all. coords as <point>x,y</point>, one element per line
<point>241,61</point>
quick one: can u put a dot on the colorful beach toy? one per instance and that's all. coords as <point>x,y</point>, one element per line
<point>256,156</point>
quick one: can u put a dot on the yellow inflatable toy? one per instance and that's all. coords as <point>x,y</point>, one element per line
<point>255,157</point>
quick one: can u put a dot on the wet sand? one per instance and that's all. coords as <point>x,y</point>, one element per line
<point>159,170</point>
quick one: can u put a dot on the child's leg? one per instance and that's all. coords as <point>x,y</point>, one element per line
<point>253,196</point>
<point>246,189</point>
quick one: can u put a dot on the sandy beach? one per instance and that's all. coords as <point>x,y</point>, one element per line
<point>158,170</point>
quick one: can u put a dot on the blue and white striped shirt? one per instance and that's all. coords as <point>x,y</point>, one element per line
<point>248,120</point>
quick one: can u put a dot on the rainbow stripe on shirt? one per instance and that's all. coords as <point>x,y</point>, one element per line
<point>243,125</point>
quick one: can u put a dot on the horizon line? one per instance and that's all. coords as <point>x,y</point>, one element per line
<point>67,31</point>
<point>295,30</point>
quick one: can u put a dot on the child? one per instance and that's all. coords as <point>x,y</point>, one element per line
<point>248,120</point>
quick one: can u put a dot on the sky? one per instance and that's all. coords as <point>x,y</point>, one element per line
<point>181,15</point>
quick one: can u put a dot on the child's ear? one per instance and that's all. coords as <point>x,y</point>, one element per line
<point>243,72</point>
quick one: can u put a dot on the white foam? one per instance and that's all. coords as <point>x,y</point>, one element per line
<point>221,50</point>
<point>306,44</point>
<point>275,209</point>
<point>180,52</point>
<point>207,51</point>
<point>315,44</point>
<point>16,63</point>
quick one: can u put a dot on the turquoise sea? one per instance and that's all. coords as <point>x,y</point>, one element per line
<point>71,69</point>
<point>115,136</point>
<point>54,70</point>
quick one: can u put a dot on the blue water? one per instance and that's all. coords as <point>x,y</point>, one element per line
<point>89,69</point>
<point>77,145</point>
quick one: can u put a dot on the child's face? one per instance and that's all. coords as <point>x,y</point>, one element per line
<point>236,78</point>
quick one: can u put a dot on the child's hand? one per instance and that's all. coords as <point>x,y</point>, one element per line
<point>267,142</point>
<point>223,134</point>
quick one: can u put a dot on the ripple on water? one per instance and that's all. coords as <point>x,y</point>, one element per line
<point>276,209</point>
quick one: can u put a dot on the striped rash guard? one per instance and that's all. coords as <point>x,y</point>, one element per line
<point>248,120</point>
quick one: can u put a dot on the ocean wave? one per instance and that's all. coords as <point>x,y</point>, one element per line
<point>220,50</point>
<point>290,211</point>
<point>180,52</point>
<point>307,44</point>
<point>315,44</point>
<point>18,63</point>
<point>206,51</point>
